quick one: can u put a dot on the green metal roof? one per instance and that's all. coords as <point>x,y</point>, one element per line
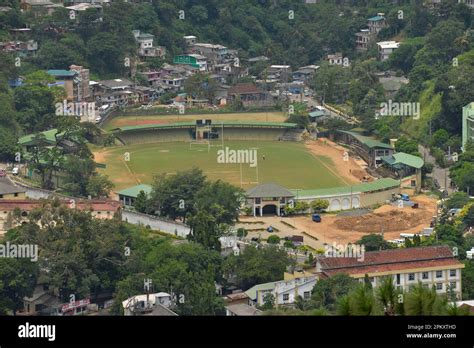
<point>368,141</point>
<point>216,124</point>
<point>376,18</point>
<point>377,185</point>
<point>404,158</point>
<point>317,113</point>
<point>49,137</point>
<point>135,190</point>
<point>145,36</point>
<point>60,72</point>
<point>252,292</point>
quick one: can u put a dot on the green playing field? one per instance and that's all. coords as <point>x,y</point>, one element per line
<point>286,163</point>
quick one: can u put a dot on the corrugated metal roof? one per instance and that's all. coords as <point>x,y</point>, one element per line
<point>252,292</point>
<point>370,142</point>
<point>61,72</point>
<point>377,185</point>
<point>376,18</point>
<point>217,124</point>
<point>404,158</point>
<point>135,190</point>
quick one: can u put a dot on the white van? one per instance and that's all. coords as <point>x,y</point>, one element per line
<point>15,170</point>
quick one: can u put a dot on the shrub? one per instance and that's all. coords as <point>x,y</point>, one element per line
<point>241,232</point>
<point>273,239</point>
<point>319,204</point>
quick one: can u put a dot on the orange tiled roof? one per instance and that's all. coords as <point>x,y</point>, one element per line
<point>28,204</point>
<point>390,260</point>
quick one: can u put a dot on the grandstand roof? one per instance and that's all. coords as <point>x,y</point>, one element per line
<point>368,141</point>
<point>404,158</point>
<point>381,184</point>
<point>217,124</point>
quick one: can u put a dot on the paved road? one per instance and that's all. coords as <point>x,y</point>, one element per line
<point>440,174</point>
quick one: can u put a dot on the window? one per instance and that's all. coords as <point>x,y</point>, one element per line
<point>452,285</point>
<point>425,275</point>
<point>1,196</point>
<point>286,297</point>
<point>411,276</point>
<point>257,201</point>
<point>398,279</point>
<point>15,195</point>
<point>452,272</point>
<point>439,274</point>
<point>439,286</point>
<point>307,295</point>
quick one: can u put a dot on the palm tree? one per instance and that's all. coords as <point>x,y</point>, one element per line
<point>344,306</point>
<point>362,301</point>
<point>387,294</point>
<point>424,301</point>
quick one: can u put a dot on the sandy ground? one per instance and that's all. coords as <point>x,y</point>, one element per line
<point>348,229</point>
<point>351,171</point>
<point>275,222</point>
<point>388,218</point>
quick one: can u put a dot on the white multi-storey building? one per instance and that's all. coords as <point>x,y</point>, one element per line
<point>386,48</point>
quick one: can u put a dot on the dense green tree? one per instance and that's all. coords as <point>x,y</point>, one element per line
<point>141,202</point>
<point>17,280</point>
<point>254,266</point>
<point>326,292</point>
<point>374,242</point>
<point>99,186</point>
<point>174,196</point>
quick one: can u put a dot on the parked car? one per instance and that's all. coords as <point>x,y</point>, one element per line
<point>3,173</point>
<point>15,170</point>
<point>316,217</point>
<point>270,229</point>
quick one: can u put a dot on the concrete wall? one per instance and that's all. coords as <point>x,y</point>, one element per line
<point>372,198</point>
<point>155,223</point>
<point>338,201</point>
<point>359,200</point>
